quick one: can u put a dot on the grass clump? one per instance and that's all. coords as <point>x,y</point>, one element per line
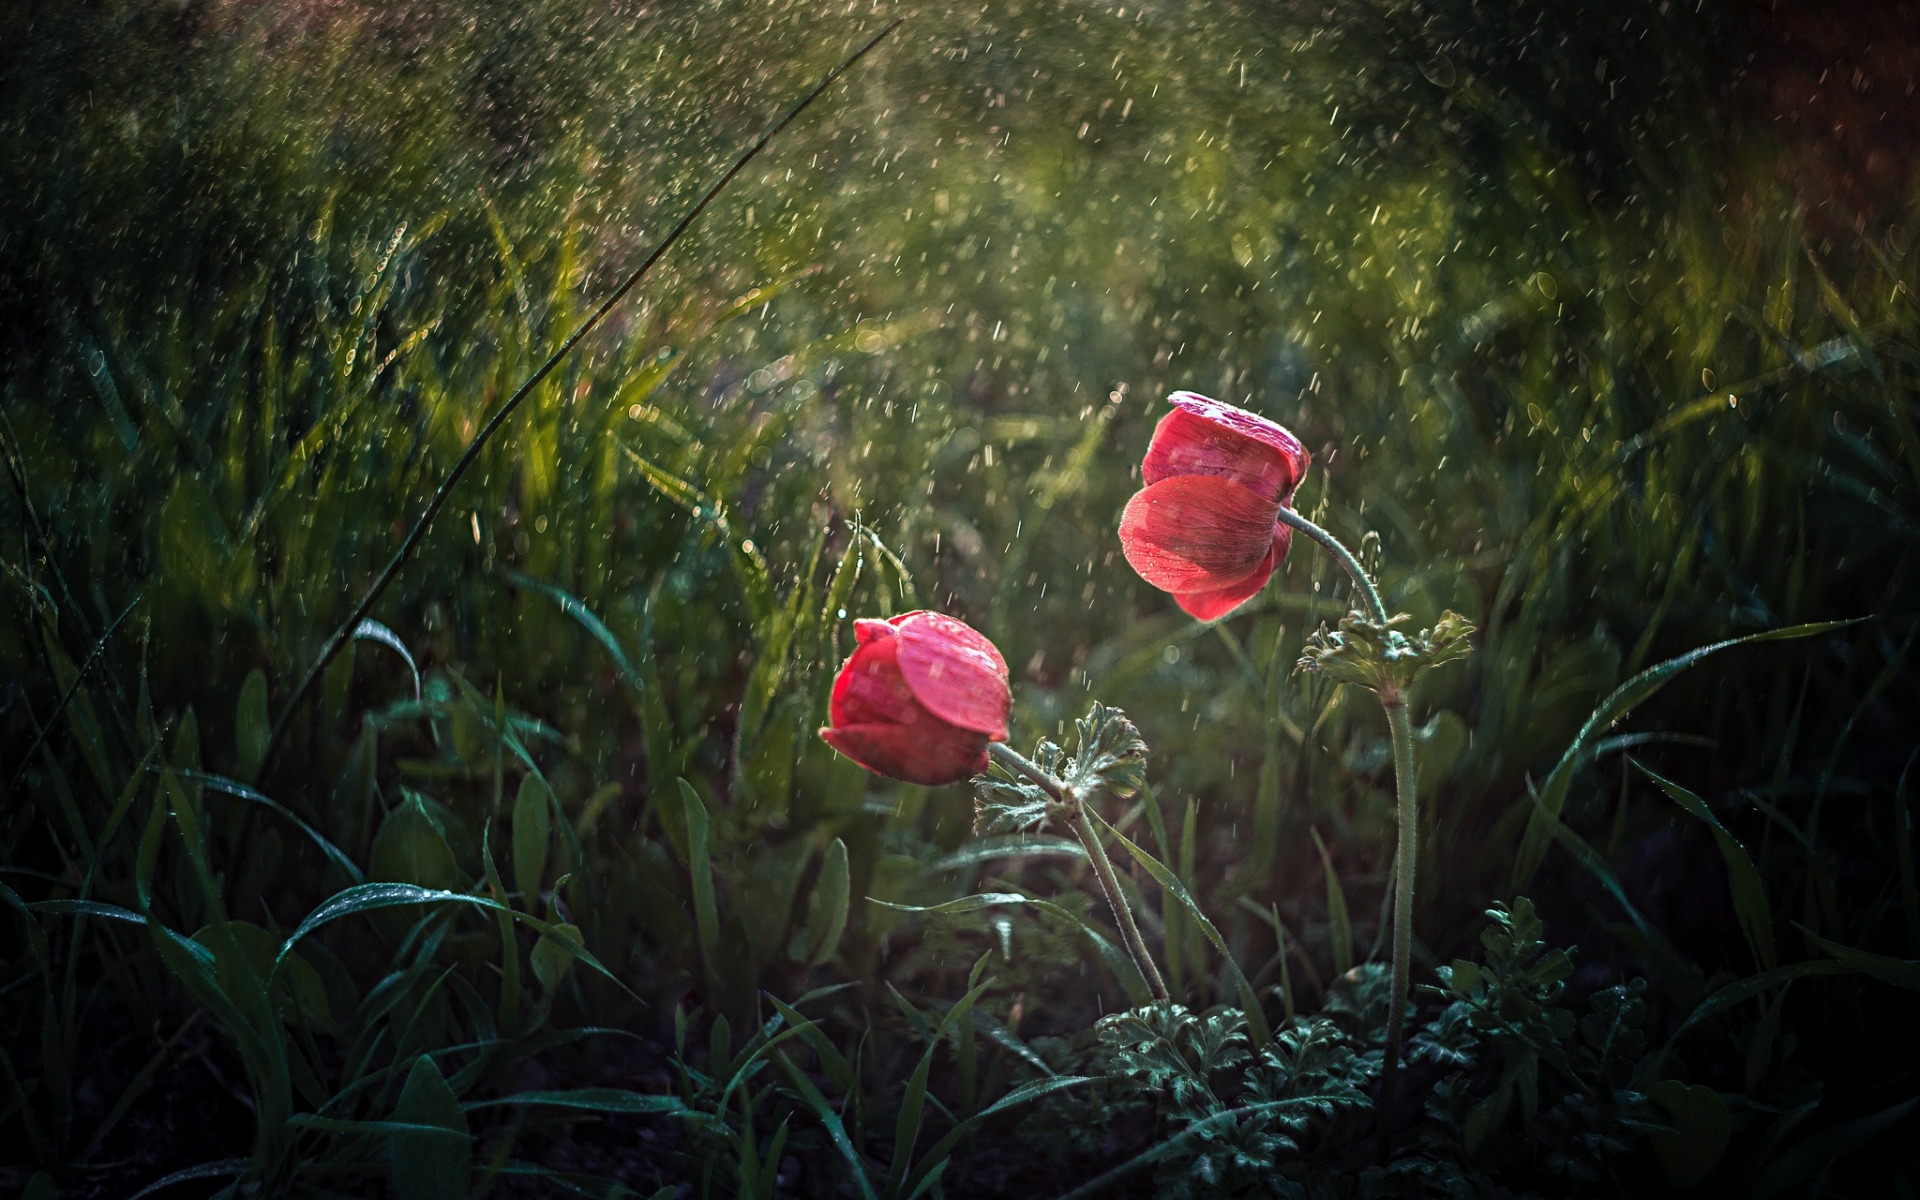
<point>551,885</point>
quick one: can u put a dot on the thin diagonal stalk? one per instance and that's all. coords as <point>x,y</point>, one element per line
<point>1405,859</point>
<point>499,418</point>
<point>66,697</point>
<point>1096,854</point>
<point>16,471</point>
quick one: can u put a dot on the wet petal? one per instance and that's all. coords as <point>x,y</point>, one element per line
<point>1214,603</point>
<point>956,673</point>
<point>1197,533</point>
<point>870,688</point>
<point>929,755</point>
<point>1204,437</point>
<point>866,629</point>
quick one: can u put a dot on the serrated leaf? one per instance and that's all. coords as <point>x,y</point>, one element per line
<point>1111,755</point>
<point>1009,806</point>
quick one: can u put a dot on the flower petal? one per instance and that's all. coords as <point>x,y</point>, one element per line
<point>1204,437</point>
<point>871,690</point>
<point>956,673</point>
<point>1214,603</point>
<point>1196,533</point>
<point>929,755</point>
<point>866,629</point>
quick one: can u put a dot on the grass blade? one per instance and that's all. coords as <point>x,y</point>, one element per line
<point>836,1129</point>
<point>66,697</point>
<point>1670,969</point>
<point>1339,924</point>
<point>1614,709</point>
<point>592,1099</point>
<point>207,1170</point>
<point>595,627</point>
<point>532,827</point>
<point>935,1156</point>
<point>1117,960</point>
<point>1257,1026</point>
<point>831,901</point>
<point>241,791</point>
<point>371,897</point>
<point>1900,972</point>
<point>369,630</point>
<point>485,434</point>
<point>430,1166</point>
<point>706,912</point>
<point>1809,1156</point>
<point>1743,879</point>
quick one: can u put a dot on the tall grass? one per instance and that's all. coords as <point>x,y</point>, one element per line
<point>268,277</point>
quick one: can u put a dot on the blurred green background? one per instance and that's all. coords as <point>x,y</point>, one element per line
<point>1596,329</point>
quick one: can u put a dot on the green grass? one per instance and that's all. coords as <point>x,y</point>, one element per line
<point>264,285</point>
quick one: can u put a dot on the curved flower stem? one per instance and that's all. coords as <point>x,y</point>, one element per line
<point>1096,854</point>
<point>1407,818</point>
<point>1361,580</point>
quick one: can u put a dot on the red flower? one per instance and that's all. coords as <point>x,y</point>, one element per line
<point>919,699</point>
<point>1207,525</point>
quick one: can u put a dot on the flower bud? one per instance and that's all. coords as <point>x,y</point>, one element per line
<point>919,699</point>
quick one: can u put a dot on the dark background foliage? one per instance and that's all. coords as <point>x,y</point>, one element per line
<point>1599,324</point>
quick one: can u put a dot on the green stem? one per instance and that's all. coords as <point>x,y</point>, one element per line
<point>1368,592</point>
<point>1117,900</point>
<point>1020,764</point>
<point>1407,817</point>
<point>1405,860</point>
<point>1096,854</point>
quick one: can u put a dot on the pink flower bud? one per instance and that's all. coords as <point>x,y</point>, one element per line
<point>919,699</point>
